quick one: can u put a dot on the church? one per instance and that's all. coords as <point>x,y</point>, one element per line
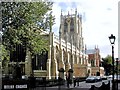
<point>66,52</point>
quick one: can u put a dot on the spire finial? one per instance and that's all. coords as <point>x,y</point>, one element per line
<point>76,11</point>
<point>61,12</point>
<point>68,13</point>
<point>95,46</point>
<point>78,15</point>
<point>85,48</point>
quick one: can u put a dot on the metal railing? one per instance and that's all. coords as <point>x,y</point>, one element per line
<point>102,87</point>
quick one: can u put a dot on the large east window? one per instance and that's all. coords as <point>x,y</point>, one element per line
<point>40,60</point>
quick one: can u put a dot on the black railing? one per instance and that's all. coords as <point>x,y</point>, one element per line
<point>102,87</point>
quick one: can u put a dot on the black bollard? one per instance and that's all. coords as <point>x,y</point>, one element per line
<point>108,85</point>
<point>32,84</point>
<point>44,82</point>
<point>17,72</point>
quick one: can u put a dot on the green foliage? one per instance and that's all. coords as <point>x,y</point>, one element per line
<point>22,23</point>
<point>4,55</point>
<point>107,64</point>
<point>108,59</point>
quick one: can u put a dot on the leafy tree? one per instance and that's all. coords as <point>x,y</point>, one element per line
<point>108,59</point>
<point>23,22</point>
<point>107,64</point>
<point>4,55</point>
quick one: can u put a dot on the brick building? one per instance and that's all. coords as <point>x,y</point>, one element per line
<point>94,59</point>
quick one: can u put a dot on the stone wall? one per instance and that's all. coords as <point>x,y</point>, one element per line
<point>80,70</point>
<point>94,70</point>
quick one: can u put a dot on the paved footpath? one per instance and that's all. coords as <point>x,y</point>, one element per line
<point>64,87</point>
<point>61,88</point>
<point>81,86</point>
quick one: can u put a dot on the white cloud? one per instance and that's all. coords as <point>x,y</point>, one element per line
<point>100,20</point>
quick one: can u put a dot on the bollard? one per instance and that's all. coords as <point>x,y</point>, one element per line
<point>44,81</point>
<point>109,85</point>
<point>32,81</point>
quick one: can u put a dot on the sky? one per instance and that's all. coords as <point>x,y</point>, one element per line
<point>99,21</point>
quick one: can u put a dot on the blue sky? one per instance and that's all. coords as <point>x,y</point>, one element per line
<point>100,20</point>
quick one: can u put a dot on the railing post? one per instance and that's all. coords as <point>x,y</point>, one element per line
<point>108,85</point>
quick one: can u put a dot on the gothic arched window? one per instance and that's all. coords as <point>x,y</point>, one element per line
<point>39,61</point>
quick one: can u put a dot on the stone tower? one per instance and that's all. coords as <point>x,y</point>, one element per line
<point>71,29</point>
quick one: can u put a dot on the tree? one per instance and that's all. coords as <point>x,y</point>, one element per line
<point>107,64</point>
<point>22,24</point>
<point>4,55</point>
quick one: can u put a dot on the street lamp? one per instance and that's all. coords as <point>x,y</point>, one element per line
<point>117,71</point>
<point>112,41</point>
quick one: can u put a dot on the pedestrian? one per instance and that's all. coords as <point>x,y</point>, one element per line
<point>74,82</point>
<point>77,81</point>
<point>68,81</point>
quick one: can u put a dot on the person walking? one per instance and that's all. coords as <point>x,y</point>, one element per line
<point>68,80</point>
<point>74,82</point>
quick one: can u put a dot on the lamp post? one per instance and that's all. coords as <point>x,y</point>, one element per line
<point>117,71</point>
<point>112,41</point>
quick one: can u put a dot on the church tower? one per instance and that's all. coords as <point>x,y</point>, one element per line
<point>71,29</point>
